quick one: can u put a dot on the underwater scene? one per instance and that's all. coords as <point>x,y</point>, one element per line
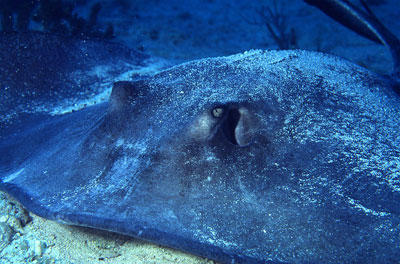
<point>199,131</point>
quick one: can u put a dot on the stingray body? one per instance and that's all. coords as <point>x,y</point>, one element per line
<point>278,156</point>
<point>40,71</point>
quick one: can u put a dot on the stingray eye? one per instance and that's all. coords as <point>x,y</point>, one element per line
<point>124,92</point>
<point>218,112</point>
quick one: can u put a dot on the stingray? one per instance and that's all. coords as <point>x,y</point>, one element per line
<point>259,157</point>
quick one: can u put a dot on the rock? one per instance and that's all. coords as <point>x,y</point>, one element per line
<point>38,248</point>
<point>47,261</point>
<point>13,213</point>
<point>6,234</point>
<point>15,224</point>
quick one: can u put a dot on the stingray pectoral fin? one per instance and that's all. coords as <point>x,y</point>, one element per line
<point>363,23</point>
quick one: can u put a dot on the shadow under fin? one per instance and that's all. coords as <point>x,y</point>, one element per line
<point>365,23</point>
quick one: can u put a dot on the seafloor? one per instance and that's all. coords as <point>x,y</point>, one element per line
<point>179,31</point>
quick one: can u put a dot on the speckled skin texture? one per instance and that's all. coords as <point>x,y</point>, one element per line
<point>40,70</point>
<point>317,181</point>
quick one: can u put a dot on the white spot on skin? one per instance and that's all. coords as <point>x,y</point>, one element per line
<point>210,158</point>
<point>365,209</point>
<point>119,143</point>
<point>13,175</point>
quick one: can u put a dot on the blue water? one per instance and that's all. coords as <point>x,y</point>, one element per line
<point>186,30</point>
